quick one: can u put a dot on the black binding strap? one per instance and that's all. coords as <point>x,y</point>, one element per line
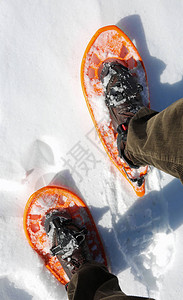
<point>68,239</point>
<point>139,181</point>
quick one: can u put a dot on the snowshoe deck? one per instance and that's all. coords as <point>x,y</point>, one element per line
<point>111,44</point>
<point>58,199</point>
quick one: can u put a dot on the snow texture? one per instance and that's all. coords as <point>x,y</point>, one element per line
<point>47,136</point>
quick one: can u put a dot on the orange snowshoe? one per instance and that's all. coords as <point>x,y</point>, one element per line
<point>108,45</point>
<point>58,226</point>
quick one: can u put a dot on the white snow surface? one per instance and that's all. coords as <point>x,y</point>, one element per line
<point>47,136</point>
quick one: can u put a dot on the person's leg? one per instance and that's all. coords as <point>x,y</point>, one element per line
<point>93,282</point>
<point>157,139</point>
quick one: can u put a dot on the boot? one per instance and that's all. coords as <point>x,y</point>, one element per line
<point>68,241</point>
<point>123,99</point>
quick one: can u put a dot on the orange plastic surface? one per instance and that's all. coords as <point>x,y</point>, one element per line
<point>57,198</point>
<point>108,44</point>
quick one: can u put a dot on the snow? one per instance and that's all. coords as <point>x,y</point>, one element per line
<point>47,136</point>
